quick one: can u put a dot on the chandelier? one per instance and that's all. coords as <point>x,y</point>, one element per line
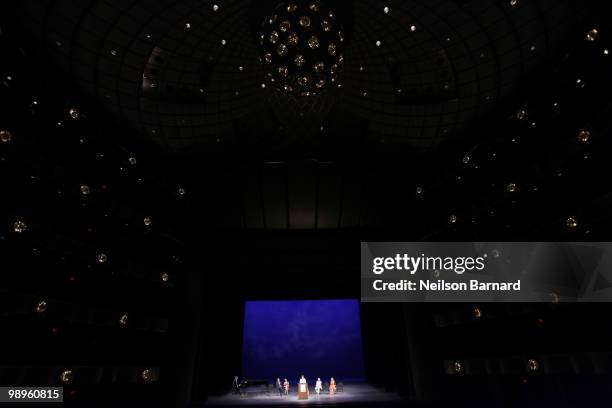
<point>301,48</point>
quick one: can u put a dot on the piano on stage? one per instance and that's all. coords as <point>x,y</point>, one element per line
<point>253,386</point>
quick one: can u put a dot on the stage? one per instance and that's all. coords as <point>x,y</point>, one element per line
<point>352,395</point>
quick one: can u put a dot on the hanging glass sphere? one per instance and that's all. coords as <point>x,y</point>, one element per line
<point>571,222</point>
<point>66,376</point>
<point>147,375</point>
<point>313,42</point>
<point>5,136</point>
<point>591,35</point>
<point>284,26</point>
<point>41,306</point>
<point>300,48</point>
<point>584,136</point>
<point>293,38</point>
<point>102,258</point>
<point>533,365</point>
<point>299,60</point>
<point>74,113</point>
<point>20,226</point>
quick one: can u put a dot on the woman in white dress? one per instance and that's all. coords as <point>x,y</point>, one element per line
<point>318,386</point>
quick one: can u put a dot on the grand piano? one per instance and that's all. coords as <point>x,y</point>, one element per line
<point>253,386</point>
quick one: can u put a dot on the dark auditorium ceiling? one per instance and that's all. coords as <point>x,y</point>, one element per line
<point>187,74</point>
<point>458,111</point>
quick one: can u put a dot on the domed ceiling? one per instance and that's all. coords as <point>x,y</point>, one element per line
<point>188,73</point>
<point>459,111</point>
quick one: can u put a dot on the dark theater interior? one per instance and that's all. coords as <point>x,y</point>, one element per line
<point>185,184</point>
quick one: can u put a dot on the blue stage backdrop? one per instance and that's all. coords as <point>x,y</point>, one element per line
<point>317,338</point>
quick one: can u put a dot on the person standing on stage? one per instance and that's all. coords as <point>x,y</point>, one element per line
<point>235,386</point>
<point>332,386</point>
<point>286,386</point>
<point>303,381</point>
<point>279,387</point>
<point>318,386</point>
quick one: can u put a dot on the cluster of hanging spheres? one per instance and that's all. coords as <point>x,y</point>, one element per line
<point>301,48</point>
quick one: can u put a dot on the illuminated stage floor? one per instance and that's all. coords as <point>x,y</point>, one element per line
<point>353,395</point>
